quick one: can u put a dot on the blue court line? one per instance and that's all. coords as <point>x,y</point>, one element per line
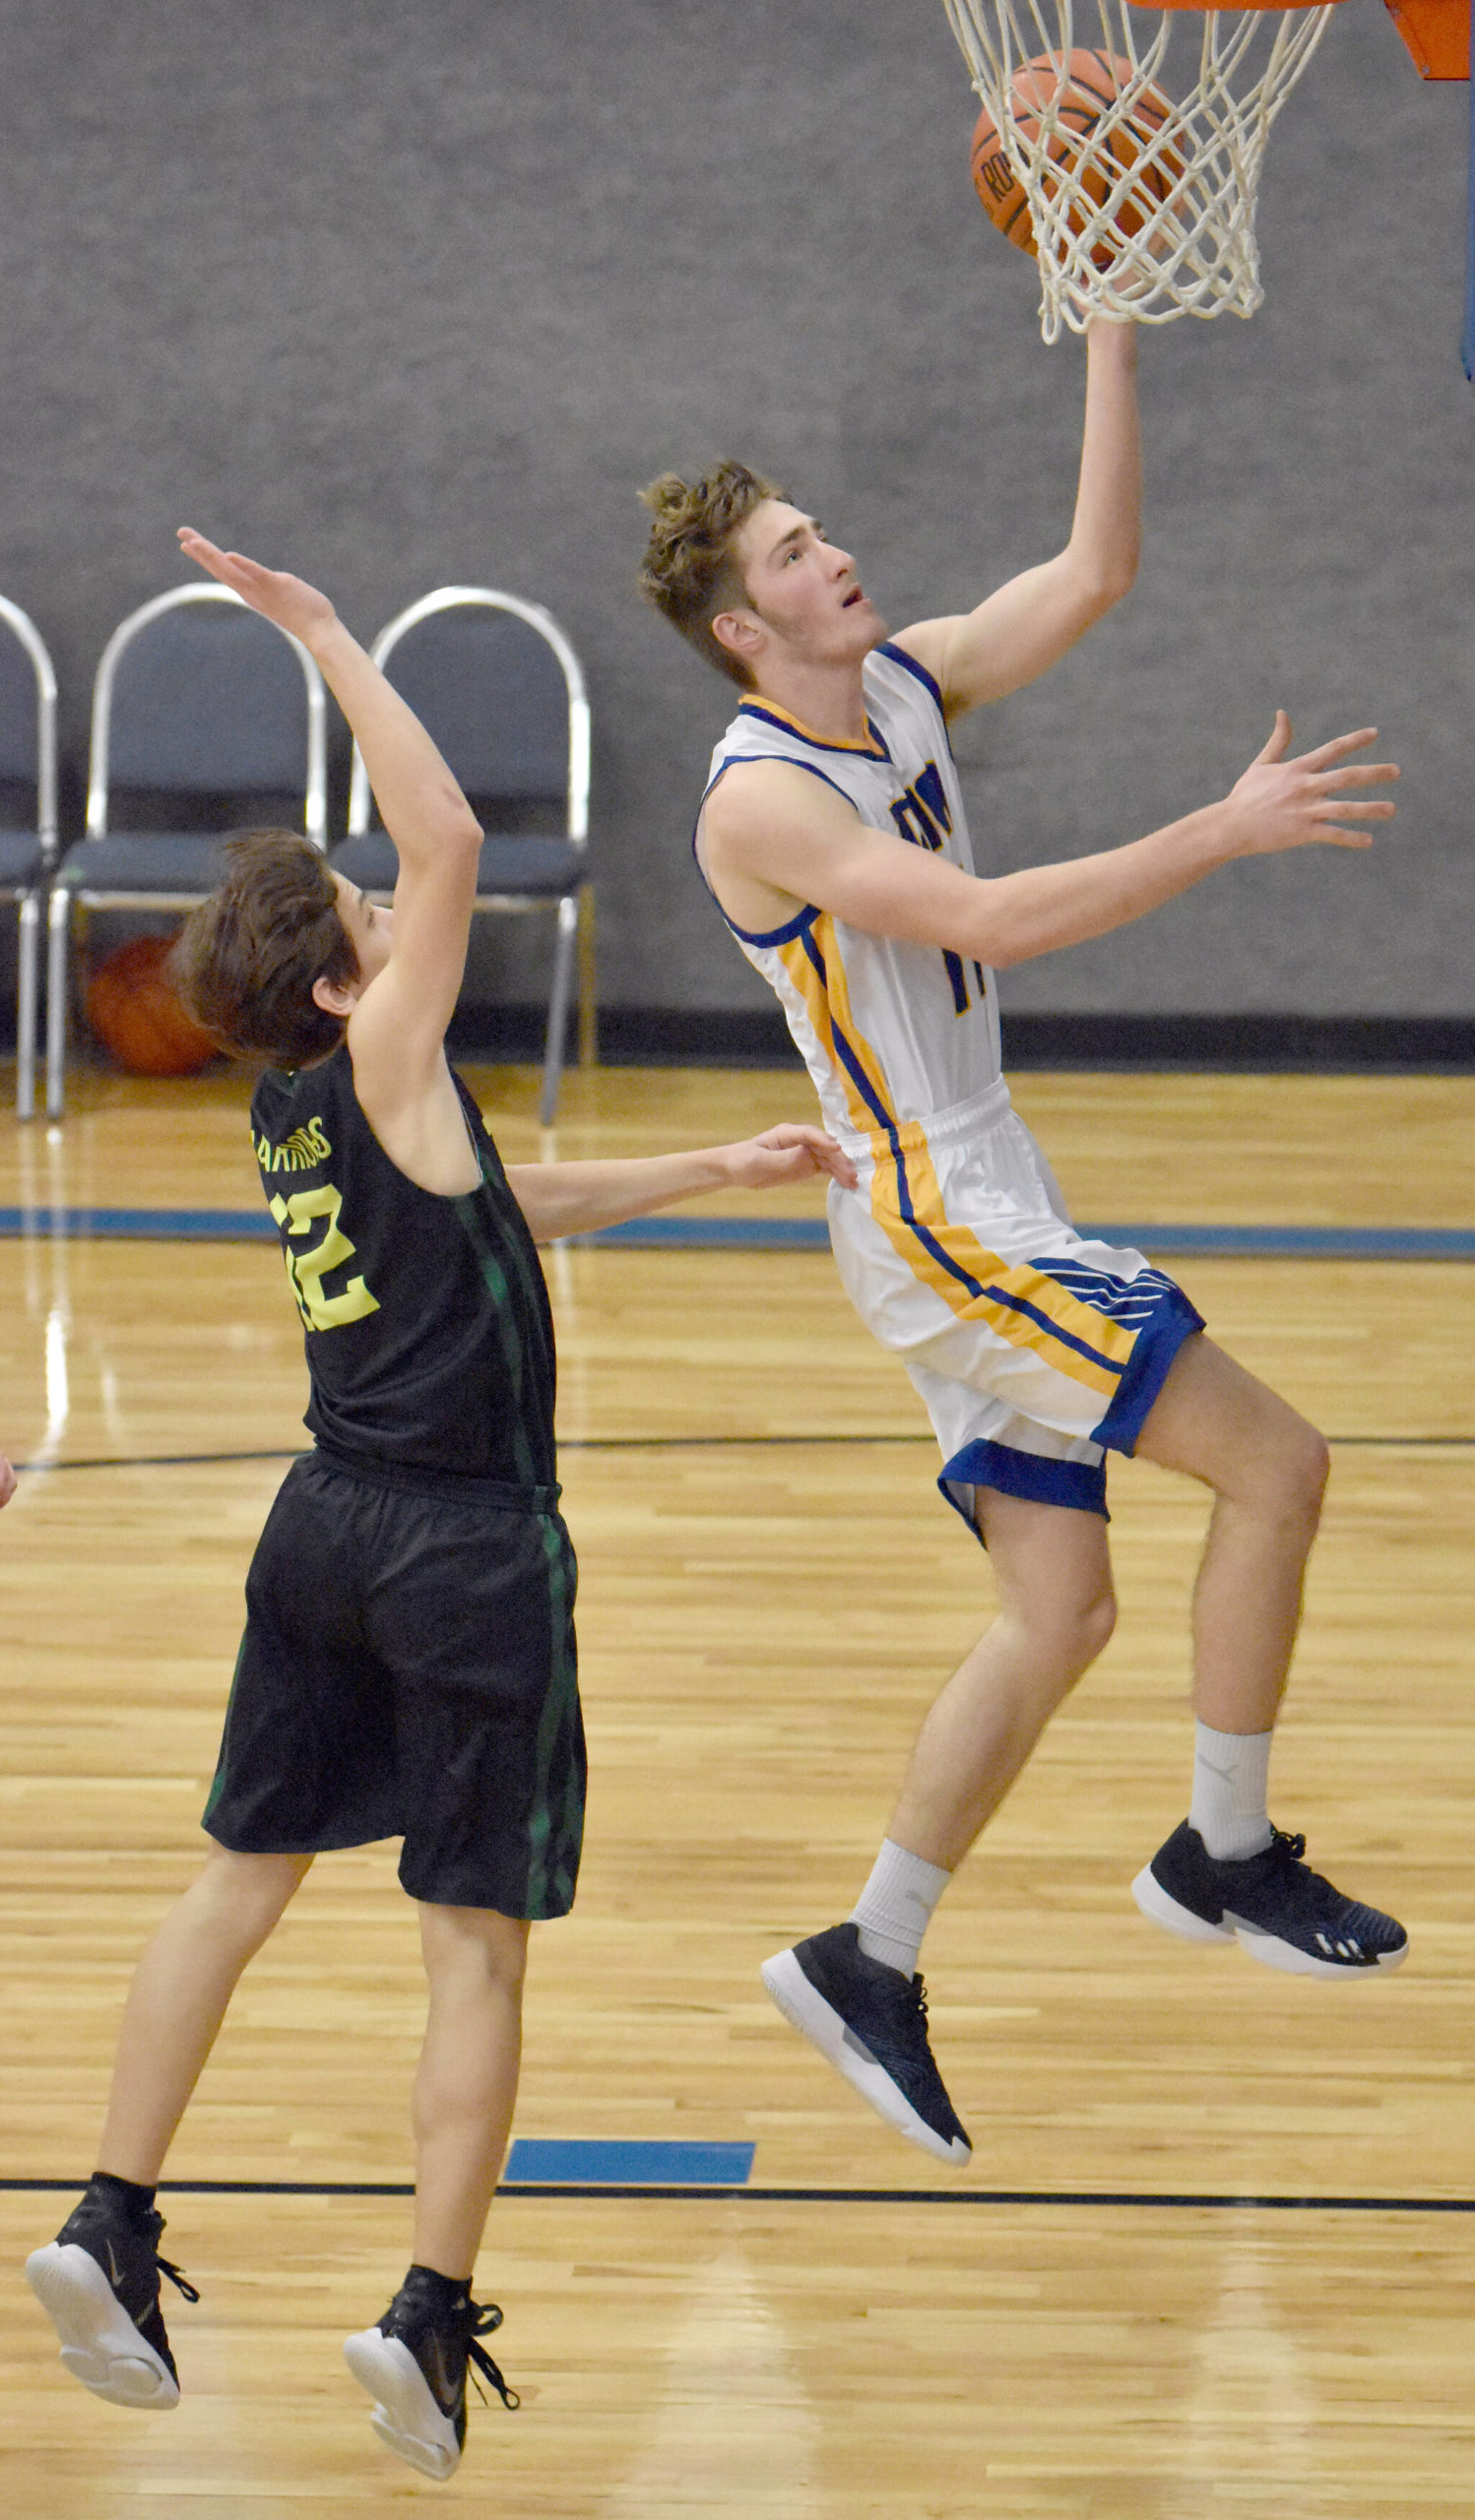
<point>140,1224</point>
<point>787,1234</point>
<point>542,2162</point>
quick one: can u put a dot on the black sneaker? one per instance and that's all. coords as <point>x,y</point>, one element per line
<point>871,2022</point>
<point>1282,1912</point>
<point>98,2283</point>
<point>413,2366</point>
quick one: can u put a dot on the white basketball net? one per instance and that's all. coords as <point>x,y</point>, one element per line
<point>1223,76</point>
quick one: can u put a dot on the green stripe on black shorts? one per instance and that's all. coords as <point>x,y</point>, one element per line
<point>409,1671</point>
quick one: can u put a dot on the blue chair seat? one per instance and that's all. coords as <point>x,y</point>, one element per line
<point>22,861</point>
<point>538,867</point>
<point>146,861</point>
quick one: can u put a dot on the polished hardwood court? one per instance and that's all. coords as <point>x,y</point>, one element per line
<point>770,1592</point>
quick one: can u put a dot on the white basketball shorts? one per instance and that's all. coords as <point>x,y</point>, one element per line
<point>1035,1351</point>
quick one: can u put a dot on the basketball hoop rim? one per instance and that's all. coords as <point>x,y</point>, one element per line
<point>1237,8</point>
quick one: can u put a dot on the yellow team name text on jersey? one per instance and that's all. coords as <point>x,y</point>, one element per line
<point>306,1146</point>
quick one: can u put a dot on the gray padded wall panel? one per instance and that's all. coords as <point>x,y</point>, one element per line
<point>409,292</point>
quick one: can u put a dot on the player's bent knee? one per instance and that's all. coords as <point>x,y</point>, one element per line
<point>1089,1633</point>
<point>1099,1624</point>
<point>1068,1636</point>
<point>1299,1466</point>
<point>479,1943</point>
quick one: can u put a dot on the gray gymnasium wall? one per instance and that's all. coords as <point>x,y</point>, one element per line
<point>398,291</point>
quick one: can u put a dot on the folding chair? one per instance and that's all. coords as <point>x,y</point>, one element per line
<point>210,717</point>
<point>501,691</point>
<point>27,785</point>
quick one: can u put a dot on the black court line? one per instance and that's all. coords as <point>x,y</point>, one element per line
<point>660,1444</point>
<point>1137,2201</point>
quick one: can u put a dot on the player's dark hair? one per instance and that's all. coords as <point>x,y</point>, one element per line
<point>689,571</point>
<point>246,960</point>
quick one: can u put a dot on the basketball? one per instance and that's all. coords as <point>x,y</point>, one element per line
<point>1096,80</point>
<point>136,1012</point>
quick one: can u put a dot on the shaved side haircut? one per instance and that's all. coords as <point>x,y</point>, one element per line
<point>690,572</point>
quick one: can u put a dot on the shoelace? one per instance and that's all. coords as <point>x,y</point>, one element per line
<point>485,2317</point>
<point>180,2280</point>
<point>181,2283</point>
<point>1295,1846</point>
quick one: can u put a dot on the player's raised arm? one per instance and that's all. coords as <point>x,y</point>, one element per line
<point>407,1002</point>
<point>774,840</point>
<point>1019,632</point>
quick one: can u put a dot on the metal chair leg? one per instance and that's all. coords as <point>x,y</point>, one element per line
<point>58,941</point>
<point>29,948</point>
<point>589,1003</point>
<point>558,994</point>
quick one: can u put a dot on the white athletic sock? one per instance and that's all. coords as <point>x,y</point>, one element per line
<point>895,1908</point>
<point>1229,1775</point>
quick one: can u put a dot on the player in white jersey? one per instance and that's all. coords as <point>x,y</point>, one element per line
<point>833,838</point>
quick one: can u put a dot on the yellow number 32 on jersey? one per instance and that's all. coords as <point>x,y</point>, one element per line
<point>308,1269</point>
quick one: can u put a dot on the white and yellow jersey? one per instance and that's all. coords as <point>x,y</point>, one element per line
<point>889,1031</point>
<point>1034,1350</point>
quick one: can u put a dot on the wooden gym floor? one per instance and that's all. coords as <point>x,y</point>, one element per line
<point>771,1590</point>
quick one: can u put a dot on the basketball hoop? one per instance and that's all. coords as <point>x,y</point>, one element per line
<point>1148,210</point>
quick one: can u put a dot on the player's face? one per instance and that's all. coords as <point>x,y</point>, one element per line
<point>370,925</point>
<point>805,589</point>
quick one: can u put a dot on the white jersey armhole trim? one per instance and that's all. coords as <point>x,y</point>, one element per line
<point>803,918</point>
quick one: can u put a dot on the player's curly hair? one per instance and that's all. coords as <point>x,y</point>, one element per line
<point>689,572</point>
<point>246,960</point>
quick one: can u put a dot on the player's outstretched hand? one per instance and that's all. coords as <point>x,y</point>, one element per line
<point>7,1480</point>
<point>792,1151</point>
<point>288,601</point>
<point>1289,805</point>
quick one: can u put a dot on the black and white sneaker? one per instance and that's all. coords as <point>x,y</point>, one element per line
<point>1280,1910</point>
<point>871,2022</point>
<point>414,2366</point>
<point>98,2283</point>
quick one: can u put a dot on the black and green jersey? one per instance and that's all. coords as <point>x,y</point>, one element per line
<point>428,1335</point>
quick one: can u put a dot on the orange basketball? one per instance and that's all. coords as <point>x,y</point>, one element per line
<point>135,1011</point>
<point>1094,80</point>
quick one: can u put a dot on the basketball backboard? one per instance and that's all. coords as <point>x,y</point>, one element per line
<point>1437,33</point>
<point>1438,36</point>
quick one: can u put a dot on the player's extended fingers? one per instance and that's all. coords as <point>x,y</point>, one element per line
<point>1279,743</point>
<point>231,564</point>
<point>1344,839</point>
<point>198,546</point>
<point>228,566</point>
<point>819,1149</point>
<point>1380,774</point>
<point>834,1161</point>
<point>1337,748</point>
<point>1378,809</point>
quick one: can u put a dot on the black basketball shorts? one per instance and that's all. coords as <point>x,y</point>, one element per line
<point>407,1670</point>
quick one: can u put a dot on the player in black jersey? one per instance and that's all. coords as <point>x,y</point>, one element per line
<point>408,1665</point>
